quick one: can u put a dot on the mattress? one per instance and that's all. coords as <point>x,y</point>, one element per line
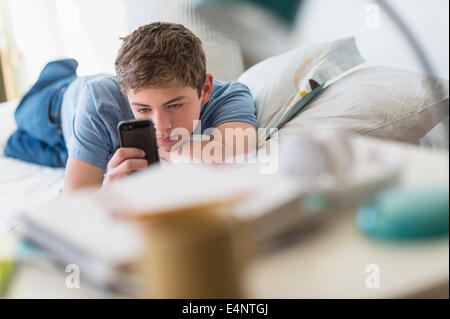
<point>22,184</point>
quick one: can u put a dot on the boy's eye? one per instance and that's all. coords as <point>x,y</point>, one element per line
<point>145,110</point>
<point>174,106</point>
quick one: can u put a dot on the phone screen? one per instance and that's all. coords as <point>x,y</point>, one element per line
<point>140,134</point>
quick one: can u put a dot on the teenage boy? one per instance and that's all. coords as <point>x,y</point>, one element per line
<point>161,75</point>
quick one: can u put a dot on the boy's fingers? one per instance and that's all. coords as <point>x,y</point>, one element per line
<point>123,154</point>
<point>126,167</point>
<point>131,165</point>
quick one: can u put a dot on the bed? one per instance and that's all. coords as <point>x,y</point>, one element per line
<point>408,110</point>
<point>22,184</point>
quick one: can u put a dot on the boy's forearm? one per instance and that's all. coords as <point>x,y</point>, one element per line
<point>201,152</point>
<point>80,174</point>
<point>240,138</point>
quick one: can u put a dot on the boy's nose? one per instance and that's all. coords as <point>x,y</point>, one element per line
<point>162,123</point>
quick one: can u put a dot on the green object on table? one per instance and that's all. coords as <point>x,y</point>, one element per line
<point>398,213</point>
<point>7,262</point>
<point>6,271</point>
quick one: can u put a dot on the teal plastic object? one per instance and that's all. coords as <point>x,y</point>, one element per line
<point>398,213</point>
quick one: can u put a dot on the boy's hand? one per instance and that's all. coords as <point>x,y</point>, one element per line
<point>124,161</point>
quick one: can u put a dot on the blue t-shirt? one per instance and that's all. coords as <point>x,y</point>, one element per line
<point>93,106</point>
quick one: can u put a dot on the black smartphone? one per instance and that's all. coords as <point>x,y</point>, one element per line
<point>140,134</point>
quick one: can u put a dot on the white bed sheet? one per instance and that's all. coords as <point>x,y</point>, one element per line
<point>22,184</point>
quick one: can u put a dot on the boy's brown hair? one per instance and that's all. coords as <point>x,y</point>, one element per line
<point>160,55</point>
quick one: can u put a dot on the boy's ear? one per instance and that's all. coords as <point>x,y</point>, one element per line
<point>207,88</point>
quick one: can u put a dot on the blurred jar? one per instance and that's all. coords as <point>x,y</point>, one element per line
<point>193,253</point>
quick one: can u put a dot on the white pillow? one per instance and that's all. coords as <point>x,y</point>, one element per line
<point>279,82</point>
<point>378,102</point>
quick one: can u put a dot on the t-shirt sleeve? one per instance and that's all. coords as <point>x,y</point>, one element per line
<point>235,104</point>
<point>90,141</point>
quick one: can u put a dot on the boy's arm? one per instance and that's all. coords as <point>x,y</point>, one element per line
<point>229,140</point>
<point>80,174</point>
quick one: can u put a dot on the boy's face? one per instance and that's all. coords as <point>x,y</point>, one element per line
<point>169,108</point>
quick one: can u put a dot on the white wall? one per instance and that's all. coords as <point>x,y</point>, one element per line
<point>323,20</point>
<point>87,30</point>
<point>223,56</point>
